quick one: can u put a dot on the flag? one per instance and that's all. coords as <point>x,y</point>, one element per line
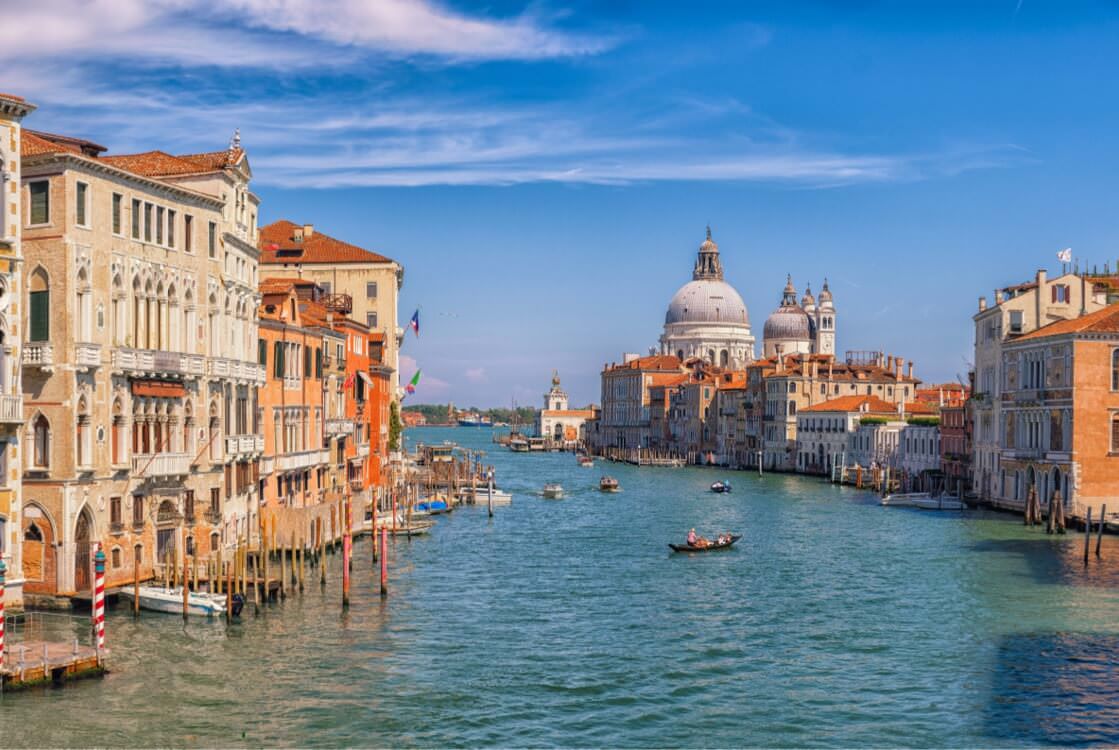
<point>1065,256</point>
<point>411,387</point>
<point>415,323</point>
<point>350,380</point>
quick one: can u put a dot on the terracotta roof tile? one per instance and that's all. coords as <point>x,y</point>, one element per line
<point>652,362</point>
<point>12,96</point>
<point>278,245</point>
<point>1101,321</point>
<point>874,405</point>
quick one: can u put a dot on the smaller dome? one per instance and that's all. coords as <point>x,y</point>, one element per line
<point>788,323</point>
<point>807,300</point>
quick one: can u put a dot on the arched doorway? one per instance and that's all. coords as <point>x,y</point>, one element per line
<point>1057,489</point>
<point>39,570</point>
<point>559,432</point>
<point>83,534</point>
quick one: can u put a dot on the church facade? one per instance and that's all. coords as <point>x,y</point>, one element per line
<point>558,422</point>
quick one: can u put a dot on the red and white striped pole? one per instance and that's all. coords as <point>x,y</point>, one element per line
<point>99,598</point>
<point>346,542</point>
<point>3,572</point>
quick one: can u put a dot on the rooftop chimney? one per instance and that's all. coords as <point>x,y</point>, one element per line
<point>982,304</point>
<point>308,231</point>
<point>909,369</point>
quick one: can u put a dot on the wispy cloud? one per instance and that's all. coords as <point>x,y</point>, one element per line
<point>475,374</point>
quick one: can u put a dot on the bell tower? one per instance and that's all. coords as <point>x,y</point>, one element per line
<point>825,322</point>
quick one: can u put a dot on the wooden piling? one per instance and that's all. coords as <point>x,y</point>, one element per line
<point>135,583</point>
<point>229,592</point>
<point>322,558</point>
<point>186,588</point>
<point>333,528</point>
<point>251,567</point>
<point>1087,534</point>
<point>283,573</point>
<point>347,542</point>
<point>1099,536</point>
<point>219,571</point>
<point>302,561</point>
<point>384,562</point>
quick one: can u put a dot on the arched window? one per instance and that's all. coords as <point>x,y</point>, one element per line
<point>120,433</point>
<point>83,447</point>
<point>41,438</point>
<point>1115,433</point>
<point>724,358</point>
<point>83,323</point>
<point>1115,369</point>
<point>40,305</point>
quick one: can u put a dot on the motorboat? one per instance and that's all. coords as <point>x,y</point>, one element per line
<point>904,499</point>
<point>720,487</point>
<point>481,495</point>
<point>608,484</point>
<point>940,502</point>
<point>434,506</point>
<point>553,490</point>
<point>170,601</point>
<point>586,462</point>
<point>518,445</point>
<point>721,543</point>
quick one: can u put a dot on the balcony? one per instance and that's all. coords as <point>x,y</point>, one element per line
<point>39,354</point>
<point>148,362</point>
<point>161,465</point>
<point>241,445</point>
<point>11,409</point>
<point>220,367</point>
<point>87,355</point>
<point>363,450</point>
<point>213,517</point>
<point>335,427</point>
<point>301,460</point>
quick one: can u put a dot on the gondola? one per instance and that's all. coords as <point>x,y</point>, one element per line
<point>709,548</point>
<point>720,487</point>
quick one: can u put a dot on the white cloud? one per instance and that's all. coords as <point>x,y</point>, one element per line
<point>475,374</point>
<point>275,34</point>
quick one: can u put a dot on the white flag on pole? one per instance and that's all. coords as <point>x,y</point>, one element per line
<point>1065,256</point>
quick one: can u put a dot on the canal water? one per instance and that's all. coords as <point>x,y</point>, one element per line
<point>834,622</point>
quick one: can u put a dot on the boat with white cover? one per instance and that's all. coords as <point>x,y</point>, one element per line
<point>170,601</point>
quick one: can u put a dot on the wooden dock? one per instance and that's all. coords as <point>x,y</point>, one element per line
<point>32,663</point>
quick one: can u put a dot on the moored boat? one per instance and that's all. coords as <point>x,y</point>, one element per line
<point>720,487</point>
<point>608,484</point>
<point>553,490</point>
<point>170,601</point>
<point>940,502</point>
<point>709,547</point>
<point>586,462</point>
<point>904,499</point>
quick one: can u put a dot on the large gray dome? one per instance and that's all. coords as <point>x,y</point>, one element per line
<point>707,301</point>
<point>788,322</point>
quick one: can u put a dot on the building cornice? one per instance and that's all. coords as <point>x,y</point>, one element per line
<point>66,159</point>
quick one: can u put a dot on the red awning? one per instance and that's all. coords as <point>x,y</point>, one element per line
<point>158,389</point>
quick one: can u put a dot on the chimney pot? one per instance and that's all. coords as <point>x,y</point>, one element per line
<point>982,304</point>
<point>308,231</point>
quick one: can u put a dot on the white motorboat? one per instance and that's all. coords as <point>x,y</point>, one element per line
<point>481,496</point>
<point>904,499</point>
<point>170,601</point>
<point>553,490</point>
<point>940,502</point>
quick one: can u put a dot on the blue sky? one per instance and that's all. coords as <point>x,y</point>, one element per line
<point>545,170</point>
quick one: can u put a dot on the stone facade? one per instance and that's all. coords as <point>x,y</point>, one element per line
<point>138,366</point>
<point>12,111</point>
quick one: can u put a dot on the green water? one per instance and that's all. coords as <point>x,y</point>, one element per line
<point>834,622</point>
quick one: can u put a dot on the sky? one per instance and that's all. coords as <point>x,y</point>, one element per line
<point>545,170</point>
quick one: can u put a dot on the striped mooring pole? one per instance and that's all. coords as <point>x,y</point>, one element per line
<point>3,572</point>
<point>99,599</point>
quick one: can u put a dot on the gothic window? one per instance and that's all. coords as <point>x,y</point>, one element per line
<point>41,437</point>
<point>1115,369</point>
<point>83,447</point>
<point>40,301</point>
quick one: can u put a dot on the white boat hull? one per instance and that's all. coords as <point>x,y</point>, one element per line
<point>170,601</point>
<point>939,503</point>
<point>905,499</point>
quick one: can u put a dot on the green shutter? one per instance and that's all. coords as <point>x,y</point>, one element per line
<point>318,363</point>
<point>40,315</point>
<point>40,202</point>
<point>262,352</point>
<point>306,361</point>
<point>278,360</point>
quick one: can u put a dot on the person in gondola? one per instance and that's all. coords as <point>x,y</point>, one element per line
<point>692,538</point>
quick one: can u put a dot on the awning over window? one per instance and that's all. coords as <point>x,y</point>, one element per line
<point>368,380</point>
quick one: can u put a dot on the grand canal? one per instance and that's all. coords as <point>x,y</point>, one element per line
<point>835,622</point>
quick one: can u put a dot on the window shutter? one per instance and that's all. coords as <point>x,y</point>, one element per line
<point>278,360</point>
<point>1115,433</point>
<point>40,315</point>
<point>318,363</point>
<point>307,361</point>
<point>262,351</point>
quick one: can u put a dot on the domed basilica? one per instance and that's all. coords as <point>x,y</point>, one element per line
<point>707,319</point>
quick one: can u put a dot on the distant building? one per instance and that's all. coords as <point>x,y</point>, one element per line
<point>557,421</point>
<point>824,430</point>
<point>805,328</point>
<point>956,426</point>
<point>624,422</point>
<point>413,419</point>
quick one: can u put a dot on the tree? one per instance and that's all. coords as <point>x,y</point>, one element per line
<point>395,427</point>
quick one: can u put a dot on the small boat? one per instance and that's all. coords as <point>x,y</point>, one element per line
<point>940,502</point>
<point>553,490</point>
<point>403,529</point>
<point>170,601</point>
<point>711,547</point>
<point>481,496</point>
<point>518,445</point>
<point>434,507</point>
<point>608,484</point>
<point>904,499</point>
<point>586,462</point>
<point>720,487</point>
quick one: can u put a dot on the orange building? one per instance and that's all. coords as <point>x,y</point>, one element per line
<point>1060,414</point>
<point>301,391</point>
<point>380,400</point>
